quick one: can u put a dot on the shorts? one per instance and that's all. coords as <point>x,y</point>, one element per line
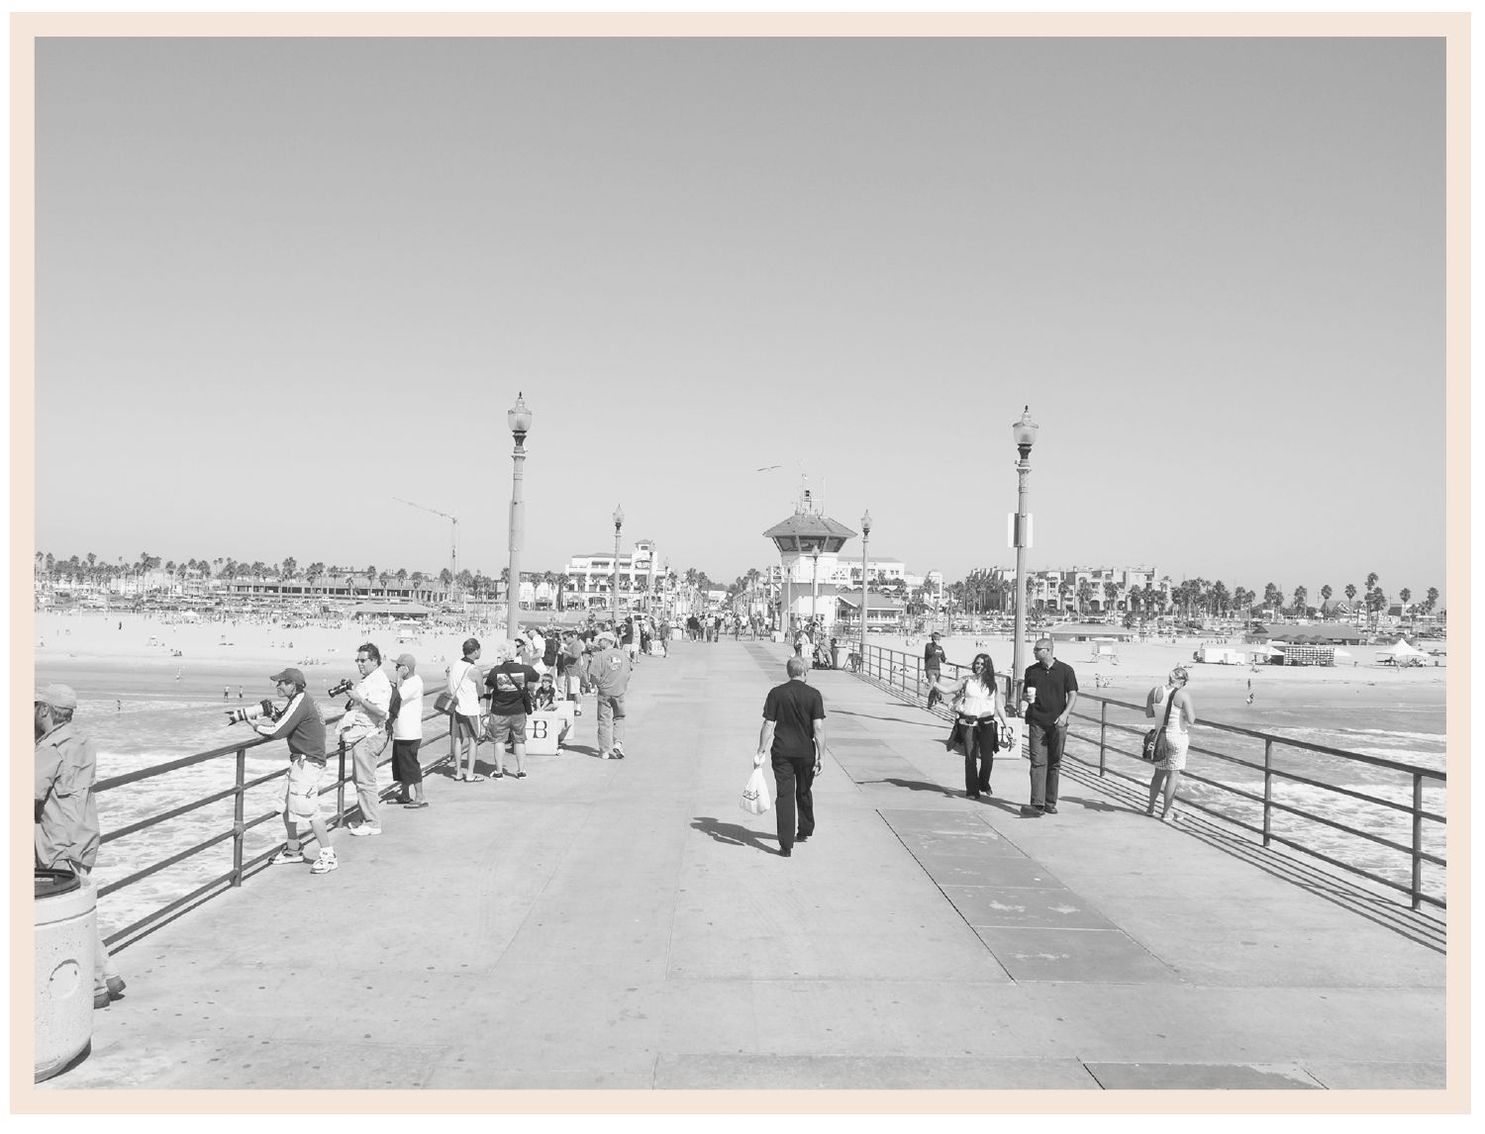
<point>466,728</point>
<point>302,799</point>
<point>502,728</point>
<point>405,766</point>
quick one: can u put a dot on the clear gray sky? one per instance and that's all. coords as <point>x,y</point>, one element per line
<point>280,282</point>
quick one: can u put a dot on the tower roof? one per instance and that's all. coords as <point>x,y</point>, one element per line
<point>803,532</point>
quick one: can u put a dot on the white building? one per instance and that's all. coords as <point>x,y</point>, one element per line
<point>591,576</point>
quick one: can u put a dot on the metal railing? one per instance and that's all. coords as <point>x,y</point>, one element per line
<point>241,823</point>
<point>902,673</point>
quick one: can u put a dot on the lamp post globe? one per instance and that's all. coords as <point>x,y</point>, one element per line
<point>518,417</point>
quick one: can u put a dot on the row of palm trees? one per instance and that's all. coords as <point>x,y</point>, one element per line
<point>93,572</point>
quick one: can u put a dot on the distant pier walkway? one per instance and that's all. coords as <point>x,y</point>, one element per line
<point>624,925</point>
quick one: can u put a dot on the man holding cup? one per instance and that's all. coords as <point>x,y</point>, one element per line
<point>1049,693</point>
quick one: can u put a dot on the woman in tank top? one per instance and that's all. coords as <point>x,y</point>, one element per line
<point>1167,773</point>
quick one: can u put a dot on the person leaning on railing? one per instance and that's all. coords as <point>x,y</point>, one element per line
<point>67,832</point>
<point>302,727</point>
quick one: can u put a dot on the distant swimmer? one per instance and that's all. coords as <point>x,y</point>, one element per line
<point>177,675</point>
<point>239,692</point>
<point>1250,698</point>
<point>118,706</point>
<point>226,692</point>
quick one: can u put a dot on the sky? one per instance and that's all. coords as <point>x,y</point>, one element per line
<point>282,282</point>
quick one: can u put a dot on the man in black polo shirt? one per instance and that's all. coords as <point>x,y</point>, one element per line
<point>793,734</point>
<point>1051,691</point>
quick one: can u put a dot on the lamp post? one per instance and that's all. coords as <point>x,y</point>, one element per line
<point>518,417</point>
<point>1024,432</point>
<point>814,554</point>
<point>618,527</point>
<point>865,539</point>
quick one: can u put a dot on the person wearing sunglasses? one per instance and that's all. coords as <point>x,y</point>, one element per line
<point>978,721</point>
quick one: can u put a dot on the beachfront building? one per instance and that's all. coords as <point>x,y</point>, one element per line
<point>1091,591</point>
<point>590,577</point>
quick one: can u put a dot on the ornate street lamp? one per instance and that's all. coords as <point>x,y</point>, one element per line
<point>1024,433</point>
<point>618,527</point>
<point>518,417</point>
<point>865,539</point>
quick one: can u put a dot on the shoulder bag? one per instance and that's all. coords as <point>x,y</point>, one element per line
<point>1155,743</point>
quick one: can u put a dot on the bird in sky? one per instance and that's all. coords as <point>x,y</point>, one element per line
<point>770,468</point>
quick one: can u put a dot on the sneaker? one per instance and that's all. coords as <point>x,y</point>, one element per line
<point>116,986</point>
<point>1030,812</point>
<point>608,756</point>
<point>286,856</point>
<point>365,829</point>
<point>325,863</point>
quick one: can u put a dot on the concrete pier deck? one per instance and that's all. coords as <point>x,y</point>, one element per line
<point>624,925</point>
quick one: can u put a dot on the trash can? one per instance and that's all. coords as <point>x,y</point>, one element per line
<point>842,650</point>
<point>65,941</point>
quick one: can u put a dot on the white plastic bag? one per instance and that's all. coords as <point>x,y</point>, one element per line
<point>755,797</point>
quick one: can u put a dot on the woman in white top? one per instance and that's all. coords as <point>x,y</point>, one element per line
<point>977,703</point>
<point>465,682</point>
<point>1177,727</point>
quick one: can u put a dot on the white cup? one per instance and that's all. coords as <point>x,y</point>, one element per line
<point>1031,695</point>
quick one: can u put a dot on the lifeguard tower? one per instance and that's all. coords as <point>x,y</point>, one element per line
<point>808,534</point>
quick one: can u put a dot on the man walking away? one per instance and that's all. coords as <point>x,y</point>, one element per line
<point>793,736</point>
<point>608,673</point>
<point>67,832</point>
<point>1050,692</point>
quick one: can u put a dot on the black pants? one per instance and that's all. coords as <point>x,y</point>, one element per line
<point>978,738</point>
<point>793,777</point>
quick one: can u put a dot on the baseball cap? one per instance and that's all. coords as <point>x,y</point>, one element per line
<point>409,661</point>
<point>606,636</point>
<point>291,675</point>
<point>58,696</point>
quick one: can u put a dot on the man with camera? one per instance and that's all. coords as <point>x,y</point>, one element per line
<point>300,724</point>
<point>363,729</point>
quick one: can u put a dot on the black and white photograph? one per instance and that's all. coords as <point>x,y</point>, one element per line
<point>859,562</point>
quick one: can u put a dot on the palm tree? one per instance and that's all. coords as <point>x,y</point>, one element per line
<point>1300,600</point>
<point>1273,595</point>
<point>1110,595</point>
<point>1325,593</point>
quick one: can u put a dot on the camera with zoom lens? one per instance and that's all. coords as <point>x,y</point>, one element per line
<point>340,687</point>
<point>264,708</point>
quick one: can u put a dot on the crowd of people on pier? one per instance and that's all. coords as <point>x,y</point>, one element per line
<point>543,675</point>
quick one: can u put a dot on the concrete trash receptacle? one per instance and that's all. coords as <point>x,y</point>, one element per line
<point>65,941</point>
<point>842,650</point>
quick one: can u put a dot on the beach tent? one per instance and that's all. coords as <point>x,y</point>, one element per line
<point>1402,650</point>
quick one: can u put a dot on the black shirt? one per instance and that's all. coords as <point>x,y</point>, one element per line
<point>794,706</point>
<point>1052,687</point>
<point>933,656</point>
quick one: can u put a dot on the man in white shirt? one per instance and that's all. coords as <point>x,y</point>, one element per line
<point>363,728</point>
<point>407,732</point>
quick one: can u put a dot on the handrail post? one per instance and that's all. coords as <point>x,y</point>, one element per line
<point>340,784</point>
<point>1417,891</point>
<point>1268,787</point>
<point>1103,730</point>
<point>237,817</point>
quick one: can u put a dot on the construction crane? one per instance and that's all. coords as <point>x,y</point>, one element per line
<point>454,520</point>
